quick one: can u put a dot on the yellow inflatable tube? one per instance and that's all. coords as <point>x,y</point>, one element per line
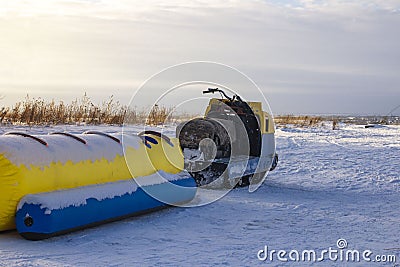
<point>36,164</point>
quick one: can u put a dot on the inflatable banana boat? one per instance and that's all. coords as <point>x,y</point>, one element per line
<point>56,183</point>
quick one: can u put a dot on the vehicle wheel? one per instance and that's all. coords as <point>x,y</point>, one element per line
<point>274,162</point>
<point>257,177</point>
<point>244,181</point>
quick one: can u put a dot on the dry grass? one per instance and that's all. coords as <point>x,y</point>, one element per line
<point>37,111</point>
<point>299,121</point>
<point>158,114</point>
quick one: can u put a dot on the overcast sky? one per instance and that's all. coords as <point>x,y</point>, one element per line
<point>322,56</point>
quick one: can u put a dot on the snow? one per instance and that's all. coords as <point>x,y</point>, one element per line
<point>328,185</point>
<point>79,196</point>
<point>26,151</point>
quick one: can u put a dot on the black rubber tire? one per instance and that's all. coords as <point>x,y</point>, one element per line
<point>274,162</point>
<point>244,181</point>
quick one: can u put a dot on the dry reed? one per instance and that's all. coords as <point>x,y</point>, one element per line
<point>37,111</point>
<point>298,121</point>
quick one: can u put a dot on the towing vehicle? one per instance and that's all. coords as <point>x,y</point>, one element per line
<point>232,145</point>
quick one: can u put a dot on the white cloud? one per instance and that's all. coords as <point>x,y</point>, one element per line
<point>309,47</point>
<point>114,9</point>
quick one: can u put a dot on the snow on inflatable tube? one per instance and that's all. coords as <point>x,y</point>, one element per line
<point>45,215</point>
<point>59,161</point>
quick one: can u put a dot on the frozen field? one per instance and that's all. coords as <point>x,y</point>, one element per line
<point>328,185</point>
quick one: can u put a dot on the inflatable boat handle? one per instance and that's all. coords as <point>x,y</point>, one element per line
<point>28,135</point>
<point>104,134</point>
<point>77,138</point>
<point>166,138</point>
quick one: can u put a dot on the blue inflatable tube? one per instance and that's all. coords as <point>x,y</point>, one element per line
<point>45,215</point>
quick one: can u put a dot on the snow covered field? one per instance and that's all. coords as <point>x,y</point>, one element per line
<point>328,185</point>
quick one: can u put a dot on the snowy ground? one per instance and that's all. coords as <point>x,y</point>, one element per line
<point>328,185</point>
